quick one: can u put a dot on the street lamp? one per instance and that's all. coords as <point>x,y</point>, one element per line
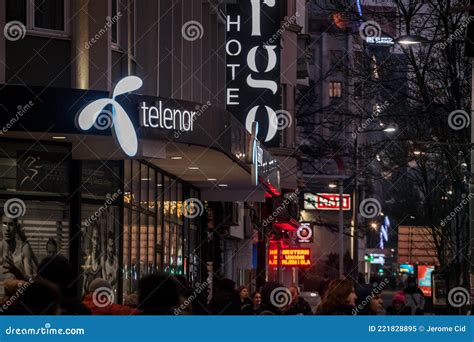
<point>411,40</point>
<point>390,129</point>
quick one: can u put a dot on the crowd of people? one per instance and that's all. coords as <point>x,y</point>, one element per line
<point>50,293</point>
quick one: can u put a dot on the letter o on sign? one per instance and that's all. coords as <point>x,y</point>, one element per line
<point>239,47</point>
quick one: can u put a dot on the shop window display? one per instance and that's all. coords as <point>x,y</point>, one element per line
<point>24,241</point>
<point>154,234</point>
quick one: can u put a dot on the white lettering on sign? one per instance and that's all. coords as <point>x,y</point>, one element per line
<point>167,118</point>
<point>380,40</point>
<point>150,116</point>
<point>254,78</point>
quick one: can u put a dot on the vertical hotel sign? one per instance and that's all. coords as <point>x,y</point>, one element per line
<point>253,65</point>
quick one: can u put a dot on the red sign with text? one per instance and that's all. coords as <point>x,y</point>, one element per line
<point>331,202</point>
<point>290,257</point>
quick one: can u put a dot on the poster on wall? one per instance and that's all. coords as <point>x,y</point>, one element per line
<point>100,245</point>
<point>253,30</point>
<point>424,279</point>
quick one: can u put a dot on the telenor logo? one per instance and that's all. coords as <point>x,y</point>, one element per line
<point>122,125</point>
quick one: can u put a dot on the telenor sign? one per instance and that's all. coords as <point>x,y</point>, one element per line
<point>290,257</point>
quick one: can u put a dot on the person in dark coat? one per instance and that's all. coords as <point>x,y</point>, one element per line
<point>339,299</point>
<point>58,270</point>
<point>414,297</point>
<point>298,305</point>
<point>323,285</point>
<point>241,298</point>
<point>256,307</point>
<point>398,306</point>
<point>36,297</point>
<point>158,294</point>
<point>223,302</point>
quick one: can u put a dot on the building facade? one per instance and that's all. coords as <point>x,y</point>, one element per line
<point>113,122</point>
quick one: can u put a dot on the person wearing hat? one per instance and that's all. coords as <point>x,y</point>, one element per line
<point>100,300</point>
<point>398,306</point>
<point>369,300</point>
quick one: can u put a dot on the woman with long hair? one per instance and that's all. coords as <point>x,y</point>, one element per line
<point>339,298</point>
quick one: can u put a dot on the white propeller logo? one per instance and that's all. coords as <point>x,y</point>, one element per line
<point>122,125</point>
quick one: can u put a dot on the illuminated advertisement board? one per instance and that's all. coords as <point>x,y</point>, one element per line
<point>406,268</point>
<point>290,257</point>
<point>424,279</point>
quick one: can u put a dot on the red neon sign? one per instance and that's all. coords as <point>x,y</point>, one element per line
<point>290,257</point>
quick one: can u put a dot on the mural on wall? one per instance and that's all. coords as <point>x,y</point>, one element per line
<point>100,245</point>
<point>16,254</point>
<point>35,231</point>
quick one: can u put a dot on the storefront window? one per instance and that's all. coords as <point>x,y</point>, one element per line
<point>156,238</point>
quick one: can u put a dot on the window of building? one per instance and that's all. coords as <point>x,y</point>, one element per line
<point>133,27</point>
<point>154,233</point>
<point>336,59</point>
<point>16,10</point>
<point>115,23</point>
<point>335,89</point>
<point>40,16</point>
<point>49,14</point>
